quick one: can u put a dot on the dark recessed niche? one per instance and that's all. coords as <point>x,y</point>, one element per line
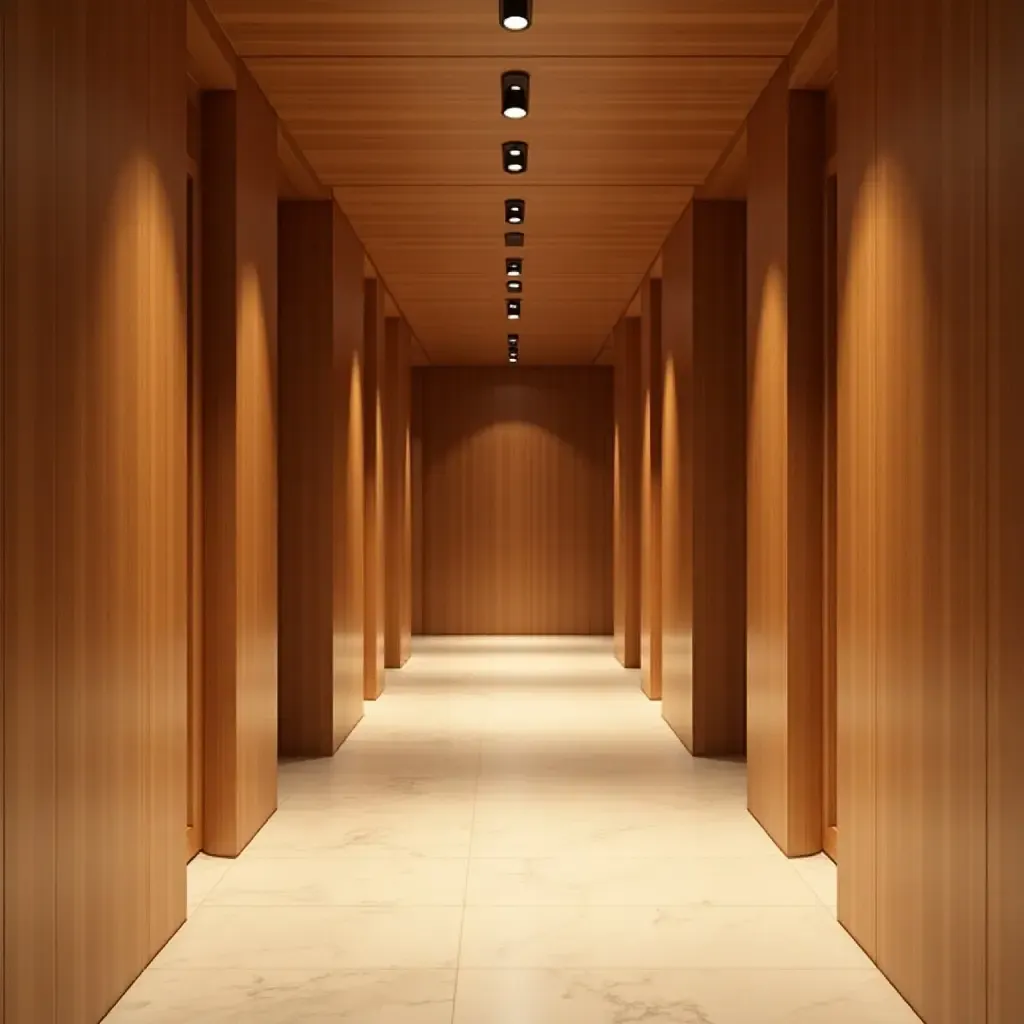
<point>515,239</point>
<point>513,267</point>
<point>513,308</point>
<point>514,285</point>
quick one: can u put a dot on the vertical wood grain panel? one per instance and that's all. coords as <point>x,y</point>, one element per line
<point>416,500</point>
<point>397,494</point>
<point>628,491</point>
<point>912,462</point>
<point>1006,496</point>
<point>703,480</point>
<point>95,613</point>
<point>306,478</point>
<point>517,500</point>
<point>349,466</point>
<point>650,525</point>
<point>373,442</point>
<point>322,493</point>
<point>786,393</point>
<point>239,146</point>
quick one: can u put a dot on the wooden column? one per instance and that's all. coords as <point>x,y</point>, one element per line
<point>786,463</point>
<point>397,494</point>
<point>320,333</point>
<point>650,523</point>
<point>628,451</point>
<point>373,446</point>
<point>703,478</point>
<point>239,155</point>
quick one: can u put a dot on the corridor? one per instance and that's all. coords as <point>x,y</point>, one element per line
<point>512,835</point>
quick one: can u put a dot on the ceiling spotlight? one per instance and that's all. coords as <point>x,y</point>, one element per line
<point>513,348</point>
<point>514,286</point>
<point>515,239</point>
<point>515,94</point>
<point>515,15</point>
<point>513,268</point>
<point>514,307</point>
<point>514,156</point>
<point>515,211</point>
<point>513,340</point>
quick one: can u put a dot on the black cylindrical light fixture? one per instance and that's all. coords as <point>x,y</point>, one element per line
<point>513,268</point>
<point>513,348</point>
<point>513,309</point>
<point>515,211</point>
<point>514,156</point>
<point>515,15</point>
<point>515,285</point>
<point>515,239</point>
<point>515,94</point>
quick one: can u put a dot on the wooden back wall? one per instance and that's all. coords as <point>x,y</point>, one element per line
<point>516,500</point>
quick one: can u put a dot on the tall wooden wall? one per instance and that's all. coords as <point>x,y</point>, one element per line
<point>321,660</point>
<point>517,500</point>
<point>650,488</point>
<point>785,462</point>
<point>929,506</point>
<point>628,490</point>
<point>94,630</point>
<point>396,408</point>
<point>373,446</point>
<point>702,478</point>
<point>239,287</point>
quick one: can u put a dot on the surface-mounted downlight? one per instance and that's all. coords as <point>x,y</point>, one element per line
<point>514,156</point>
<point>513,348</point>
<point>515,239</point>
<point>515,211</point>
<point>515,94</point>
<point>514,286</point>
<point>513,268</point>
<point>514,308</point>
<point>515,15</point>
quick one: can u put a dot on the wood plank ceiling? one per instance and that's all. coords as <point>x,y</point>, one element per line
<point>396,104</point>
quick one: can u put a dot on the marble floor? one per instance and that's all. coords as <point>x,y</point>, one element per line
<point>512,836</point>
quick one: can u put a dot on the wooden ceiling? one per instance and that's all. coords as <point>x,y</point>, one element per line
<point>396,105</point>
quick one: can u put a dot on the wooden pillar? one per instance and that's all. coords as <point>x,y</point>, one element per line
<point>239,156</point>
<point>373,445</point>
<point>397,494</point>
<point>703,479</point>
<point>786,464</point>
<point>650,523</point>
<point>320,333</point>
<point>628,449</point>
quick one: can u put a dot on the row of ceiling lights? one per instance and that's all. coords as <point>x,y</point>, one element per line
<point>515,15</point>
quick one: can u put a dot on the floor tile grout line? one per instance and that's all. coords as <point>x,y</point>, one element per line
<point>465,891</point>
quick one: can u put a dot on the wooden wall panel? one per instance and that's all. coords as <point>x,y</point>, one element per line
<point>517,500</point>
<point>397,494</point>
<point>1006,496</point>
<point>349,468</point>
<point>320,687</point>
<point>373,520</point>
<point>785,464</point>
<point>628,496</point>
<point>239,155</point>
<point>416,501</point>
<point>650,523</point>
<point>94,517</point>
<point>912,391</point>
<point>703,479</point>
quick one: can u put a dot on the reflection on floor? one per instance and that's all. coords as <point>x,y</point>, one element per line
<point>512,836</point>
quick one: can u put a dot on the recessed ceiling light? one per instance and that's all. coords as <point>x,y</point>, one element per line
<point>515,94</point>
<point>514,156</point>
<point>513,268</point>
<point>515,211</point>
<point>515,15</point>
<point>514,308</point>
<point>514,286</point>
<point>515,239</point>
